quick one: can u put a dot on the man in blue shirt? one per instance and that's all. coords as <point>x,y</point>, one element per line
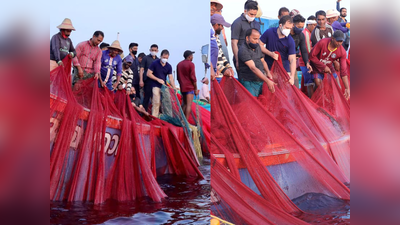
<point>158,72</point>
<point>278,39</point>
<point>110,61</point>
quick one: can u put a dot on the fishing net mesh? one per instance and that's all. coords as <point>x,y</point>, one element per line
<point>100,148</point>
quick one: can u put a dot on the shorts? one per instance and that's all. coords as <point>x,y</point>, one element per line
<point>321,75</point>
<point>188,92</point>
<point>308,78</point>
<point>254,87</point>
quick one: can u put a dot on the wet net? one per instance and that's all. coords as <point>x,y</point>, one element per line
<point>100,148</point>
<point>293,110</point>
<point>278,164</point>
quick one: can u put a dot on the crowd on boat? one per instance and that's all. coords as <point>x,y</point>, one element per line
<point>141,76</point>
<point>315,46</point>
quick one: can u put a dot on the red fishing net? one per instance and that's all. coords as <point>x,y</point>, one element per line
<point>100,148</point>
<point>271,150</point>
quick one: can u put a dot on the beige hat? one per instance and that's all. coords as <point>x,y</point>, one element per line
<point>219,5</point>
<point>66,24</point>
<point>332,13</point>
<point>115,45</point>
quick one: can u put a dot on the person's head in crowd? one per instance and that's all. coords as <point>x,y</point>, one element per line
<point>215,7</point>
<point>311,23</point>
<point>103,46</point>
<point>188,55</point>
<point>97,38</point>
<point>153,49</point>
<point>250,10</point>
<point>298,24</point>
<point>205,80</point>
<point>321,18</point>
<point>283,12</point>
<point>332,15</point>
<point>252,37</point>
<point>218,23</point>
<point>133,47</point>
<point>337,38</point>
<point>343,12</point>
<point>127,62</point>
<point>115,48</point>
<point>164,56</point>
<point>66,27</point>
<point>285,25</point>
<point>140,57</point>
<point>294,13</point>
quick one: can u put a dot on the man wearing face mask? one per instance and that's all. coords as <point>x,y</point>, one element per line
<point>133,47</point>
<point>186,75</point>
<point>322,56</point>
<point>111,61</point>
<point>145,83</point>
<point>158,72</point>
<point>323,30</point>
<point>241,25</point>
<point>61,45</point>
<point>279,39</point>
<point>253,70</point>
<point>223,67</point>
<point>300,42</point>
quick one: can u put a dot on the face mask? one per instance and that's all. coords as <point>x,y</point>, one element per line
<point>249,18</point>
<point>285,32</point>
<point>163,60</point>
<point>252,45</point>
<point>153,53</point>
<point>134,52</point>
<point>218,32</point>
<point>297,30</point>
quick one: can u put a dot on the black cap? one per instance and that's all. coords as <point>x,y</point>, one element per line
<point>338,35</point>
<point>187,53</point>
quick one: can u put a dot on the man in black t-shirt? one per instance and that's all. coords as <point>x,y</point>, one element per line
<point>253,70</point>
<point>145,83</point>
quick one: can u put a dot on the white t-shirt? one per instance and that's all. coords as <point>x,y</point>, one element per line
<point>204,92</point>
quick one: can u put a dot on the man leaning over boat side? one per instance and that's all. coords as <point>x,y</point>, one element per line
<point>322,56</point>
<point>110,61</point>
<point>158,72</point>
<point>87,62</point>
<point>253,70</point>
<point>61,45</point>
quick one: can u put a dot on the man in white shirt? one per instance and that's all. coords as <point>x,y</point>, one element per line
<point>204,92</point>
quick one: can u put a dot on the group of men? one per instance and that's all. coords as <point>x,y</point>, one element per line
<point>140,76</point>
<point>318,49</point>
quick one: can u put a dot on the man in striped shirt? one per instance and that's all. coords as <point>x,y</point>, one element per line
<point>87,62</point>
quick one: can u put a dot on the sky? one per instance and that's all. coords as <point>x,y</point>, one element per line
<point>233,8</point>
<point>177,25</point>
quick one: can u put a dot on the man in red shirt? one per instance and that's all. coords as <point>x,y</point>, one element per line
<point>187,81</point>
<point>322,56</point>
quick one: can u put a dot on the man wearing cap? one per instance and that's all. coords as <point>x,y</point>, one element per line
<point>241,25</point>
<point>279,39</point>
<point>322,56</point>
<point>111,61</point>
<point>158,72</point>
<point>61,45</point>
<point>186,75</point>
<point>145,83</point>
<point>88,58</point>
<point>223,66</point>
<point>332,19</point>
<point>204,92</point>
<point>323,30</point>
<point>253,70</point>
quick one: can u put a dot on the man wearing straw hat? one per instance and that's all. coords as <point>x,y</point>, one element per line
<point>110,61</point>
<point>61,45</point>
